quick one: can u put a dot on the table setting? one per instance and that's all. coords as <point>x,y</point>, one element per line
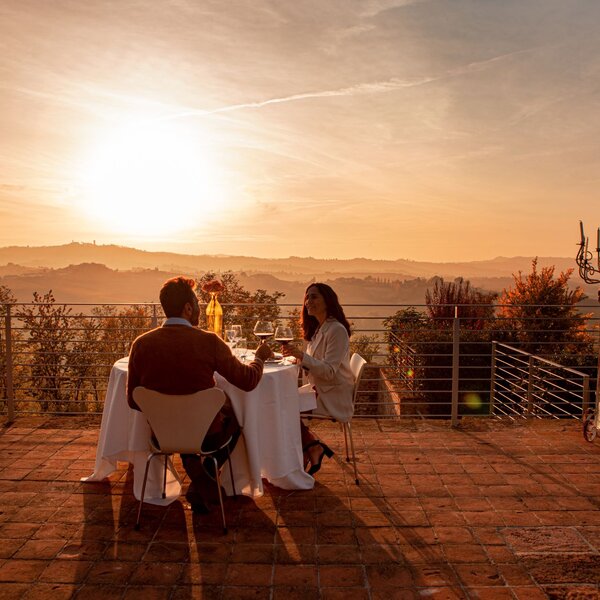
<point>269,449</point>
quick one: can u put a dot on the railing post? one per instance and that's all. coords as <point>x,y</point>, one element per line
<point>10,396</point>
<point>585,402</point>
<point>493,378</point>
<point>455,366</point>
<point>597,405</point>
<point>530,387</point>
<point>154,317</point>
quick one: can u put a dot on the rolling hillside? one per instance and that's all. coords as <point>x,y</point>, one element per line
<point>86,273</point>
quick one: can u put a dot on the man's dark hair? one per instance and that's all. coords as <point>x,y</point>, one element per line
<point>175,293</point>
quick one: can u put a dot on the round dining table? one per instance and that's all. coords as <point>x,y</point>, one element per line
<point>270,446</point>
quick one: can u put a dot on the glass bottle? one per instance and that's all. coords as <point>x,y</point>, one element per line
<point>214,315</point>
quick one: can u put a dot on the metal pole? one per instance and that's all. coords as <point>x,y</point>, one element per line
<point>455,366</point>
<point>597,404</point>
<point>493,379</point>
<point>10,396</point>
<point>530,388</point>
<point>597,411</point>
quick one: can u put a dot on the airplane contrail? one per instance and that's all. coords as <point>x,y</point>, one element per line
<point>355,90</point>
<point>358,89</point>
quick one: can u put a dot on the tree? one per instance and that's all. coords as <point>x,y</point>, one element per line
<point>47,325</point>
<point>117,328</point>
<point>421,346</point>
<point>82,363</point>
<point>66,358</point>
<point>540,314</point>
<point>240,305</point>
<point>475,307</point>
<point>365,345</point>
<point>6,295</point>
<point>293,320</point>
<point>411,339</point>
<point>97,341</point>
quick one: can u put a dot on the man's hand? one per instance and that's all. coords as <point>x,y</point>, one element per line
<point>263,352</point>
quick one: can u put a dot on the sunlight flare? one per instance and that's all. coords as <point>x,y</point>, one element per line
<point>152,178</point>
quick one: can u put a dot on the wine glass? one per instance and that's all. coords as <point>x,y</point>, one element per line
<point>231,336</point>
<point>283,335</point>
<point>242,349</point>
<point>263,330</point>
<point>236,332</point>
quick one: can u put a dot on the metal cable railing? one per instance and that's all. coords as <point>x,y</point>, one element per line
<point>525,385</point>
<point>56,358</point>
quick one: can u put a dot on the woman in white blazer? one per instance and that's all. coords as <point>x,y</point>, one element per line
<point>326,363</point>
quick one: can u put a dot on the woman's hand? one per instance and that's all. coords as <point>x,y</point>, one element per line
<point>292,350</point>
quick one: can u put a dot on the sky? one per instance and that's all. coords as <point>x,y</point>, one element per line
<point>436,130</point>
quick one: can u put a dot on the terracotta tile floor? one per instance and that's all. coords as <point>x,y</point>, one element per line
<point>485,511</point>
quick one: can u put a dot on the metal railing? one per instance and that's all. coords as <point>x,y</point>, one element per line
<point>56,358</point>
<point>525,385</point>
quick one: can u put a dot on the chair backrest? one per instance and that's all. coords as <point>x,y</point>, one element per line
<point>179,422</point>
<point>357,365</point>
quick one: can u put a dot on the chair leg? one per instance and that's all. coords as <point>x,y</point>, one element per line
<point>139,515</point>
<point>353,453</point>
<point>231,473</point>
<point>164,492</point>
<point>218,477</point>
<point>345,441</point>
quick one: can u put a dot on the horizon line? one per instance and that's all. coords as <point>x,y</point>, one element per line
<point>279,258</point>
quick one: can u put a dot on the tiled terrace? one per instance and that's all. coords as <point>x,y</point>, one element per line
<point>484,511</point>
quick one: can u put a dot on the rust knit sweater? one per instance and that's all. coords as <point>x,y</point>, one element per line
<point>176,359</point>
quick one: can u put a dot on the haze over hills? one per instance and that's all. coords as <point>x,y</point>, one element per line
<point>120,257</point>
<point>89,273</point>
<point>94,283</point>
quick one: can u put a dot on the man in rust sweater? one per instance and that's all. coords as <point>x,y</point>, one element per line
<point>179,358</point>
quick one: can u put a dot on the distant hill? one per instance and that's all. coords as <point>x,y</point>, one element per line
<point>87,283</point>
<point>12,269</point>
<point>113,274</point>
<point>293,268</point>
<point>95,284</point>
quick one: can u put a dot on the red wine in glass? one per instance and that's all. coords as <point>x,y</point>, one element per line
<point>263,330</point>
<point>283,335</point>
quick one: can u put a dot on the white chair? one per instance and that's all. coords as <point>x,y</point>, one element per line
<point>357,365</point>
<point>179,424</point>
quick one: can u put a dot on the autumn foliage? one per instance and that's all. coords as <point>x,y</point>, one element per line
<point>540,313</point>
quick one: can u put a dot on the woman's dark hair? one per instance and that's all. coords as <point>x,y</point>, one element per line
<point>310,324</point>
<point>175,293</point>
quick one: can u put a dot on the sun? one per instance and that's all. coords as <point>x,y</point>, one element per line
<point>151,178</point>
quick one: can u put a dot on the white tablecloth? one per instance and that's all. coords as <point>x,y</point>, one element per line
<point>269,448</point>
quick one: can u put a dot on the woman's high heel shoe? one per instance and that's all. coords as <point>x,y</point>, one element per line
<point>327,451</point>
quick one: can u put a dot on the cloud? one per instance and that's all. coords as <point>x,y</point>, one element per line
<point>71,99</point>
<point>375,7</point>
<point>355,90</point>
<point>359,89</point>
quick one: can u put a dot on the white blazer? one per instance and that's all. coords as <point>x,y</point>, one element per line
<point>327,358</point>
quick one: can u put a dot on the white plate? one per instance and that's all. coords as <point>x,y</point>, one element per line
<point>276,359</point>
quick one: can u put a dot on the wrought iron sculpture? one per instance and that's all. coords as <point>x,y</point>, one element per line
<point>585,259</point>
<point>589,273</point>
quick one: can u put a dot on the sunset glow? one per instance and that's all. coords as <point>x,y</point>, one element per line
<point>438,130</point>
<point>151,178</point>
